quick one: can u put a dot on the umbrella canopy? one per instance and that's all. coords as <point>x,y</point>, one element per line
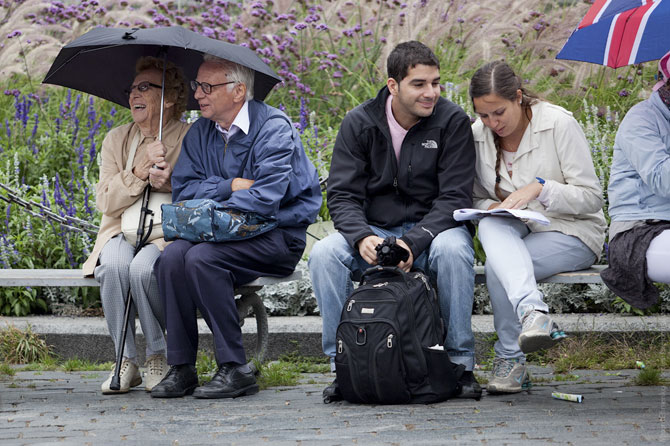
<point>616,33</point>
<point>102,61</point>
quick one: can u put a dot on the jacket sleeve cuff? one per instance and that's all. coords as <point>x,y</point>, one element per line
<point>545,196</point>
<point>224,189</point>
<point>416,250</point>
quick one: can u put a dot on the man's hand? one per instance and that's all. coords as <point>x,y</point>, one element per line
<point>366,248</point>
<point>406,265</point>
<point>521,197</point>
<point>241,184</point>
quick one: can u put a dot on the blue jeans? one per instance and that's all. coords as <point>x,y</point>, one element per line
<point>448,261</point>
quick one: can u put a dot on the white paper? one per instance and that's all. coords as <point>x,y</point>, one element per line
<point>437,347</point>
<point>522,214</point>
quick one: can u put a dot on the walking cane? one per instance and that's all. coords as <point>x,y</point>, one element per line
<point>115,384</point>
<point>141,240</point>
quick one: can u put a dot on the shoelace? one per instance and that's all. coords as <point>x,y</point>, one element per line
<point>155,365</point>
<point>502,367</point>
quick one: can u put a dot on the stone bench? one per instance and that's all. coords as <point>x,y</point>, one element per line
<point>249,303</point>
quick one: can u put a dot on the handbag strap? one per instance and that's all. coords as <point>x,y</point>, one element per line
<point>251,147</point>
<point>133,148</point>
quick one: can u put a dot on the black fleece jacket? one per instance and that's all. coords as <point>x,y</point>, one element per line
<point>433,177</point>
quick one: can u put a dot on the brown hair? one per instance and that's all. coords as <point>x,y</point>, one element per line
<point>498,78</point>
<point>175,85</point>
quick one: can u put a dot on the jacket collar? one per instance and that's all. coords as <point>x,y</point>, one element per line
<point>376,109</point>
<point>656,101</point>
<point>530,141</point>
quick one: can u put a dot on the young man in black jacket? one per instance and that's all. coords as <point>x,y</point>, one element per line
<point>402,163</point>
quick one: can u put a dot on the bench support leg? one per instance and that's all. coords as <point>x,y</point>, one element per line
<point>251,303</point>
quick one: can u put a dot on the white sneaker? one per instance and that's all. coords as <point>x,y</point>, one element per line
<point>129,375</point>
<point>538,331</point>
<point>509,376</point>
<point>157,368</point>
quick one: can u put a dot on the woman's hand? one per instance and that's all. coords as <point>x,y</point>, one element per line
<point>520,198</point>
<point>154,154</point>
<point>159,176</point>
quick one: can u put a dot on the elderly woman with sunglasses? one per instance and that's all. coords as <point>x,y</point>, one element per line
<point>121,184</point>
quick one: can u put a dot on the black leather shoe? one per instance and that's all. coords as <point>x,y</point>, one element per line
<point>470,388</point>
<point>180,380</point>
<point>231,381</point>
<point>332,393</point>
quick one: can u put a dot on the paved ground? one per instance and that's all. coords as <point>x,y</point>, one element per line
<point>68,408</point>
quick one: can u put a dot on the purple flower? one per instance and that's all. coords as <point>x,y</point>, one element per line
<point>15,33</point>
<point>300,26</point>
<point>624,93</point>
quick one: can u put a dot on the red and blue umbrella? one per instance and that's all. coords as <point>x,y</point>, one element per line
<point>616,33</point>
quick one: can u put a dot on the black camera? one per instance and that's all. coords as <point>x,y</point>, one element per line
<point>389,253</point>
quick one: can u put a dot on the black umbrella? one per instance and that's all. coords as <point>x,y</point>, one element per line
<point>102,61</point>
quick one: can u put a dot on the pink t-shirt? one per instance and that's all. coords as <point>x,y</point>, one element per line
<point>397,131</point>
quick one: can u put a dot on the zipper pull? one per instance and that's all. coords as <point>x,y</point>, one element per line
<point>423,279</point>
<point>395,185</point>
<point>339,346</point>
<point>351,304</point>
<point>389,341</point>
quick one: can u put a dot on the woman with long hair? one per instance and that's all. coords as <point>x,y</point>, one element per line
<point>530,155</point>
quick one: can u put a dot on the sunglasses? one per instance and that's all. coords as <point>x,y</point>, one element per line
<point>142,87</point>
<point>207,88</point>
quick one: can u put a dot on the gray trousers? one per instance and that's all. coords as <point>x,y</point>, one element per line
<point>515,259</point>
<point>118,271</point>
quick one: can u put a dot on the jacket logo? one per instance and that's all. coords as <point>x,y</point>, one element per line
<point>429,144</point>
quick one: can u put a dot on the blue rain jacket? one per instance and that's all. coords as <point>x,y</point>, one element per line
<point>639,186</point>
<point>286,185</point>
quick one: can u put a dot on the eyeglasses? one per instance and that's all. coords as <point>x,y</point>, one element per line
<point>207,88</point>
<point>142,87</point>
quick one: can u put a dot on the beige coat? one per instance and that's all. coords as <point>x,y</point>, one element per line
<point>554,148</point>
<point>119,188</point>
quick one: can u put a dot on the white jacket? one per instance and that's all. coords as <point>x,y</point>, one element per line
<point>554,148</point>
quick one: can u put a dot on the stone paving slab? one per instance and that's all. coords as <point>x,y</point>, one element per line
<point>49,408</point>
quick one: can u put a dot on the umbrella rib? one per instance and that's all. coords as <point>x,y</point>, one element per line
<point>64,64</point>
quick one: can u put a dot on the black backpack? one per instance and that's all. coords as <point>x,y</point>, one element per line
<point>383,353</point>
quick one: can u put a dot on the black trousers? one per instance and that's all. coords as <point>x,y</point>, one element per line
<point>204,275</point>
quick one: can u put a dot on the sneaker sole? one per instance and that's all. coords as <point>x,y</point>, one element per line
<point>533,341</point>
<point>249,390</point>
<point>135,383</point>
<point>493,390</point>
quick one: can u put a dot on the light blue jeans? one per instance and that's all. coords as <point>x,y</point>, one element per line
<point>515,259</point>
<point>448,261</point>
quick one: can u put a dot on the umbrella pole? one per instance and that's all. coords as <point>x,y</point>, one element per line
<point>139,243</point>
<point>115,384</point>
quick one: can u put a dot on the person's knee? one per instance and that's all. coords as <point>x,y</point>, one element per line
<point>453,245</point>
<point>141,271</point>
<point>327,250</point>
<point>113,266</point>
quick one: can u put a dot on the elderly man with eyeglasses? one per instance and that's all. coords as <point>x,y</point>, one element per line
<point>245,155</point>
